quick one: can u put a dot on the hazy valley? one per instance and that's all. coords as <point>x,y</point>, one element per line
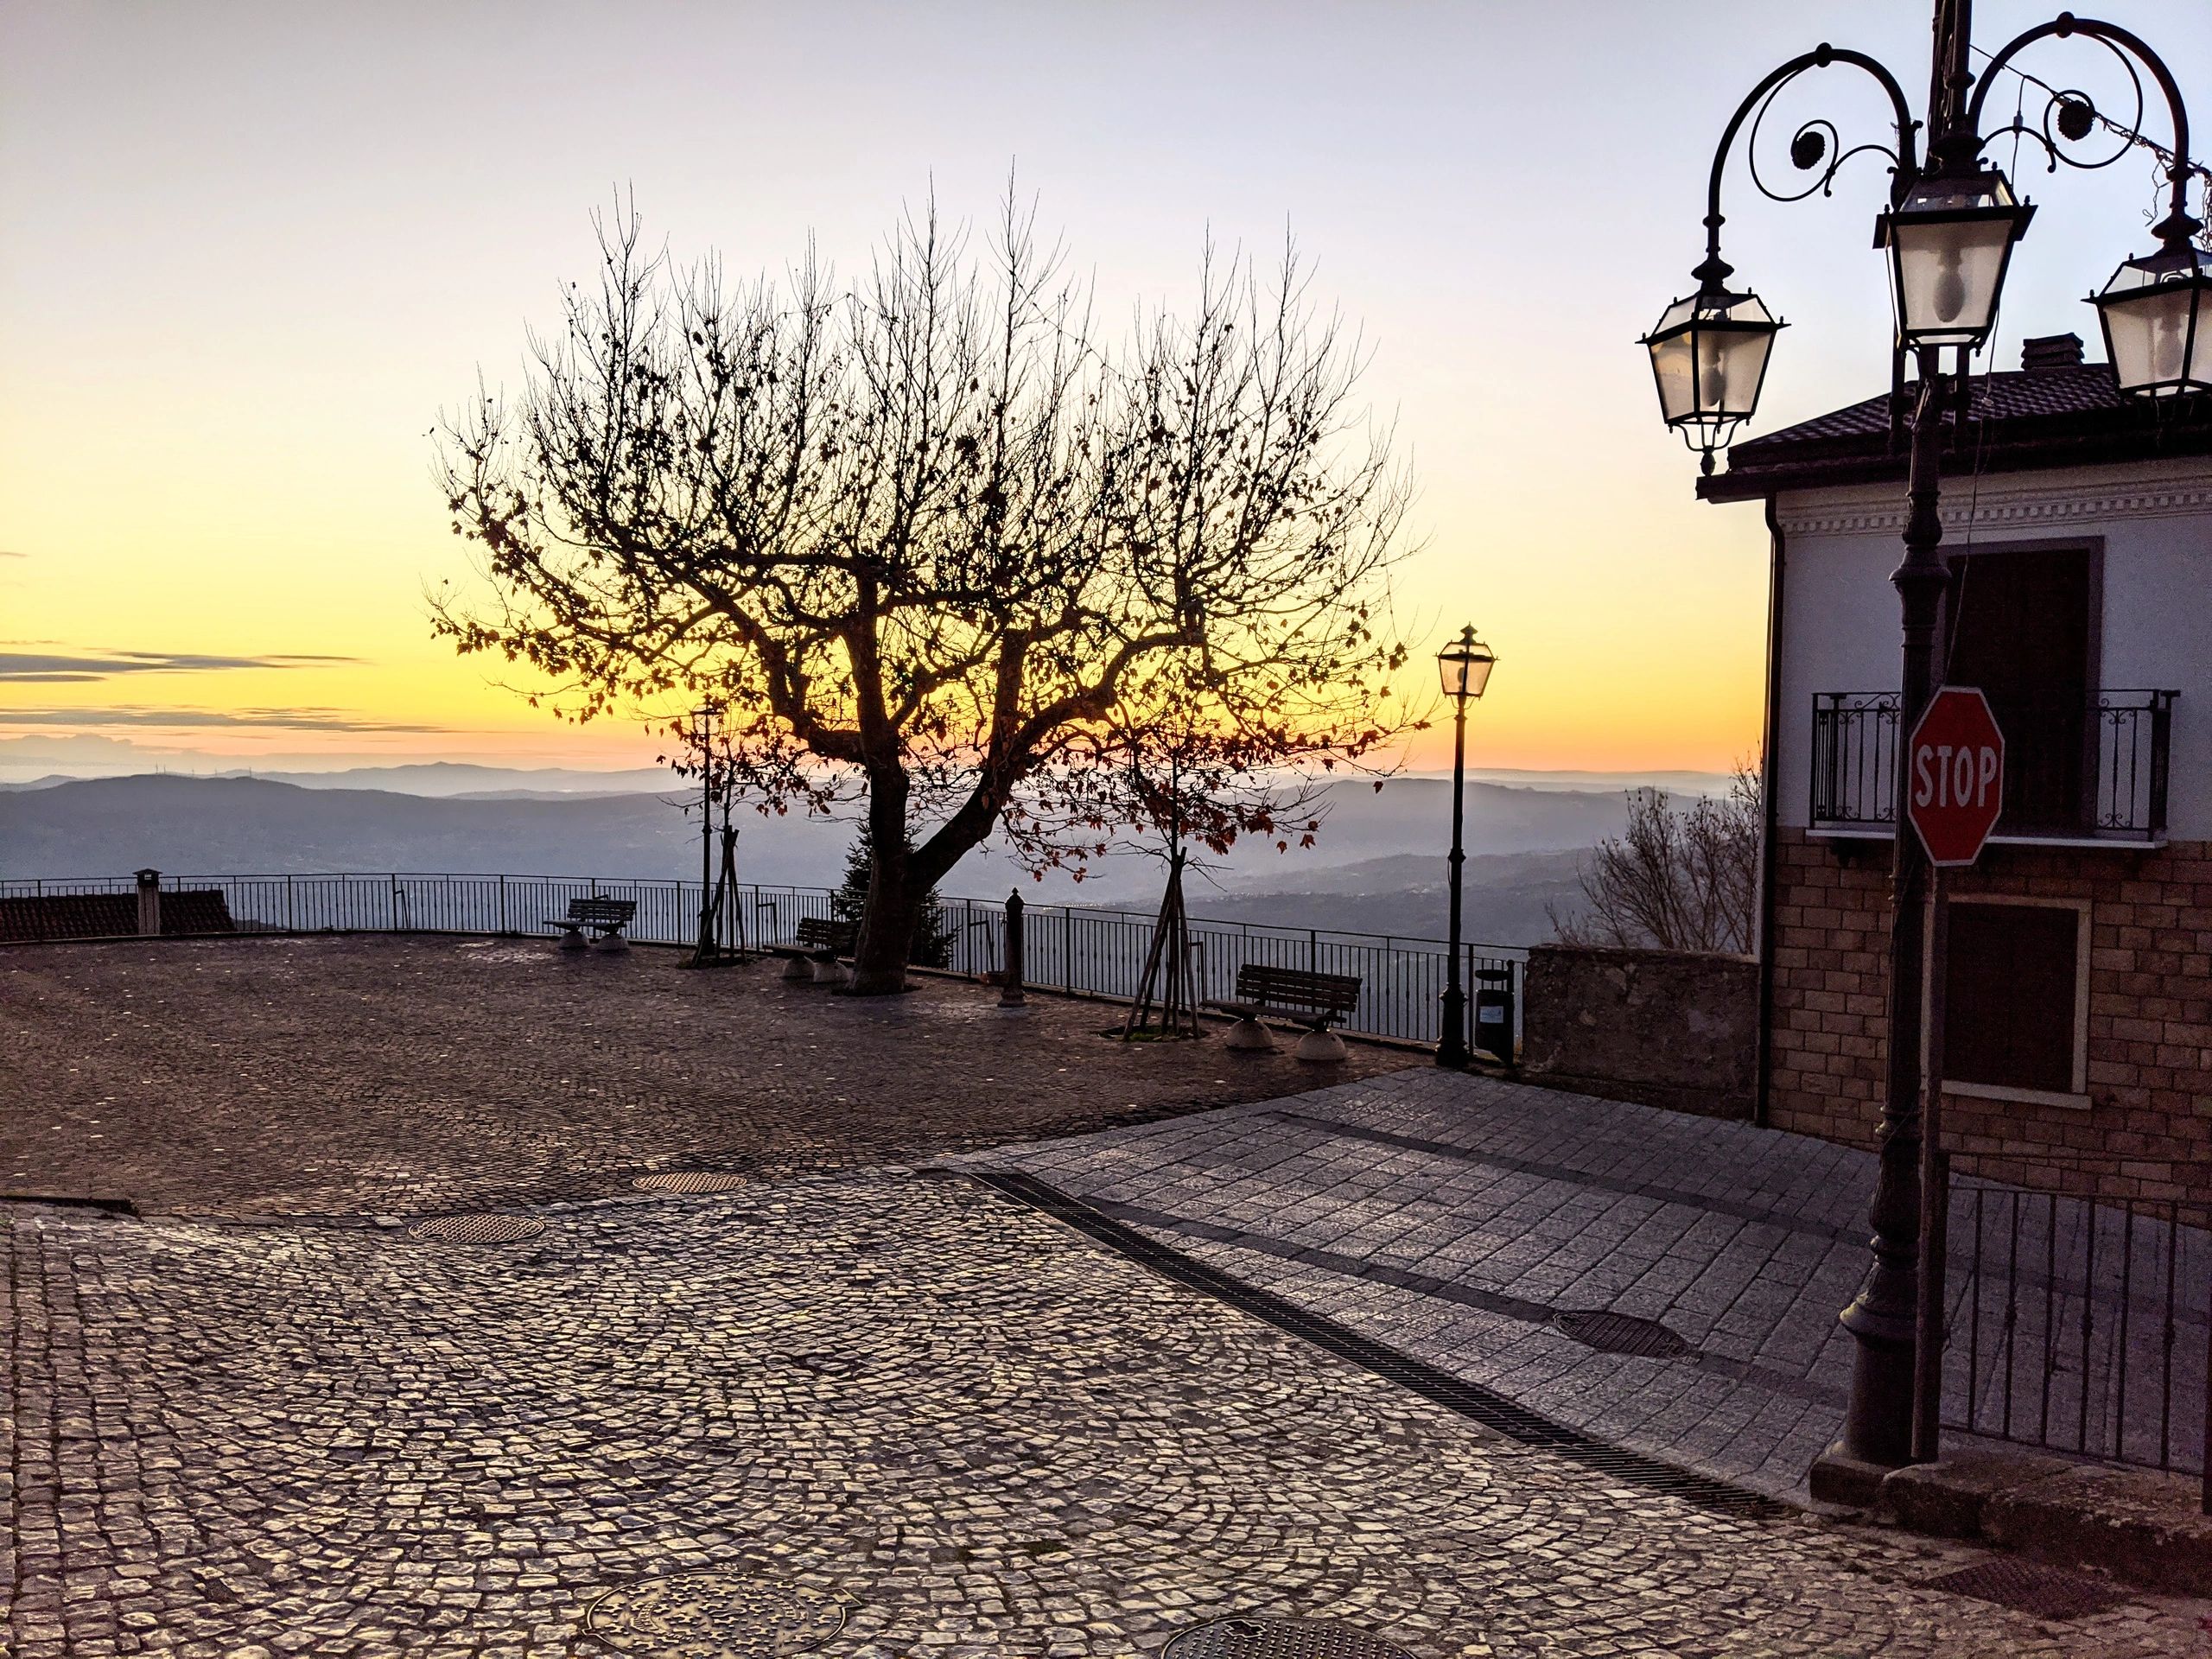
<point>1378,865</point>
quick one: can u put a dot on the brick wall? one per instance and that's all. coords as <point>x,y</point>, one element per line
<point>2148,1134</point>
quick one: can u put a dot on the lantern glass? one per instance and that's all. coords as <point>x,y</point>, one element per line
<point>2153,312</point>
<point>1465,665</point>
<point>1708,357</point>
<point>1948,243</point>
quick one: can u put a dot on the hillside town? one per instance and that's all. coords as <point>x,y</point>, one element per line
<point>991,1007</point>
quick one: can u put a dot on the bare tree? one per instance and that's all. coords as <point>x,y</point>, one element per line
<point>1683,878</point>
<point>927,535</point>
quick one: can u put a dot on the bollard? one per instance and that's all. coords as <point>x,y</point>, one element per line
<point>149,903</point>
<point>1010,994</point>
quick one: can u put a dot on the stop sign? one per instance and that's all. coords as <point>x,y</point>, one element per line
<point>1956,775</point>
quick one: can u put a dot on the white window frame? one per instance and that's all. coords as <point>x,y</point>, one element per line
<point>2078,1098</point>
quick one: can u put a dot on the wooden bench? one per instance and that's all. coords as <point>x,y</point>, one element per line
<point>1309,1000</point>
<point>812,952</point>
<point>605,917</point>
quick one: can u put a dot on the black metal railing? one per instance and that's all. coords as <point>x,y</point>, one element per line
<point>2080,1326</point>
<point>1072,949</point>
<point>1101,952</point>
<point>2093,768</point>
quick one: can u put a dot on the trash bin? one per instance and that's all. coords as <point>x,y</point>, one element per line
<point>1494,1012</point>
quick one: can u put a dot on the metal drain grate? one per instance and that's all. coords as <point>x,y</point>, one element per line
<point>2027,1587</point>
<point>692,1181</point>
<point>1281,1638</point>
<point>715,1616</point>
<point>476,1229</point>
<point>1621,1333</point>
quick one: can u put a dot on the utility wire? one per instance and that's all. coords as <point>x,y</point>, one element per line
<point>2133,135</point>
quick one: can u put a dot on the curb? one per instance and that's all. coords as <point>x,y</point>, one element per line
<point>2142,1527</point>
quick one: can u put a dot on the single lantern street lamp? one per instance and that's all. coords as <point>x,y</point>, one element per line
<point>1464,666</point>
<point>702,733</point>
<point>1947,234</point>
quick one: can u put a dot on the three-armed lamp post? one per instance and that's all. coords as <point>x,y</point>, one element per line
<point>1947,235</point>
<point>1464,666</point>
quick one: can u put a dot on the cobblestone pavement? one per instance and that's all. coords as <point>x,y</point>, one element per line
<point>277,1426</point>
<point>360,1074</point>
<point>238,1439</point>
<point>1455,1217</point>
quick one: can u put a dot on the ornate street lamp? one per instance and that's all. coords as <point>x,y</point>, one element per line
<point>1949,242</point>
<point>1463,667</point>
<point>2153,313</point>
<point>1948,231</point>
<point>1708,358</point>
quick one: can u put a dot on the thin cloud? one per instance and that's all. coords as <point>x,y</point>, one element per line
<point>6,554</point>
<point>56,668</point>
<point>296,719</point>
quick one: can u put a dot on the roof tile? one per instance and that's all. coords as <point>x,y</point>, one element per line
<point>2013,395</point>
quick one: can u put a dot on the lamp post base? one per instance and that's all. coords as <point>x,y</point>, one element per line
<point>1850,1483</point>
<point>1878,1423</point>
<point>1451,1046</point>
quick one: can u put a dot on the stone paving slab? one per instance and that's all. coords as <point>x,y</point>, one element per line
<point>234,1441</point>
<point>1456,1216</point>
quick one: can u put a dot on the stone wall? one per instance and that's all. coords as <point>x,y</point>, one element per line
<point>1665,1027</point>
<point>2147,1132</point>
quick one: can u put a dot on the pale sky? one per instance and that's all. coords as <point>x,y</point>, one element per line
<point>250,250</point>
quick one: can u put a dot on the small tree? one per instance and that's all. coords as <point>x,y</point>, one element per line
<point>928,534</point>
<point>708,754</point>
<point>932,939</point>
<point>1194,779</point>
<point>1683,878</point>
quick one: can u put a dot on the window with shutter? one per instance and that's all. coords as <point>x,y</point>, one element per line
<point>2011,996</point>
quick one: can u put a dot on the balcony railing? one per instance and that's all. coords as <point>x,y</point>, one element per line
<point>2091,768</point>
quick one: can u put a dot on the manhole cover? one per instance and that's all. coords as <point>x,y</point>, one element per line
<point>1621,1333</point>
<point>476,1229</point>
<point>692,1181</point>
<point>2045,1591</point>
<point>1281,1638</point>
<point>715,1616</point>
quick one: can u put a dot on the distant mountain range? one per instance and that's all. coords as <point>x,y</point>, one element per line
<point>1379,866</point>
<point>460,779</point>
<point>1509,898</point>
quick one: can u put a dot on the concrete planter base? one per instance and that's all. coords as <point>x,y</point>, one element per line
<point>1250,1037</point>
<point>1320,1048</point>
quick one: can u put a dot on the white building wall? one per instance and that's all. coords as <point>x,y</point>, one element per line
<point>1840,624</point>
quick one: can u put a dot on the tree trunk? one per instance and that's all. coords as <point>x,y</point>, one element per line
<point>901,874</point>
<point>887,932</point>
<point>887,936</point>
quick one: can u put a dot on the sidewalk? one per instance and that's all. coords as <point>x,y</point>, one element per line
<point>1454,1217</point>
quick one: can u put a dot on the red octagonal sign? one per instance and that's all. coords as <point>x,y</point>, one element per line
<point>1956,776</point>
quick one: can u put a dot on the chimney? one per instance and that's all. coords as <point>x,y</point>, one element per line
<point>2051,352</point>
<point>149,903</point>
